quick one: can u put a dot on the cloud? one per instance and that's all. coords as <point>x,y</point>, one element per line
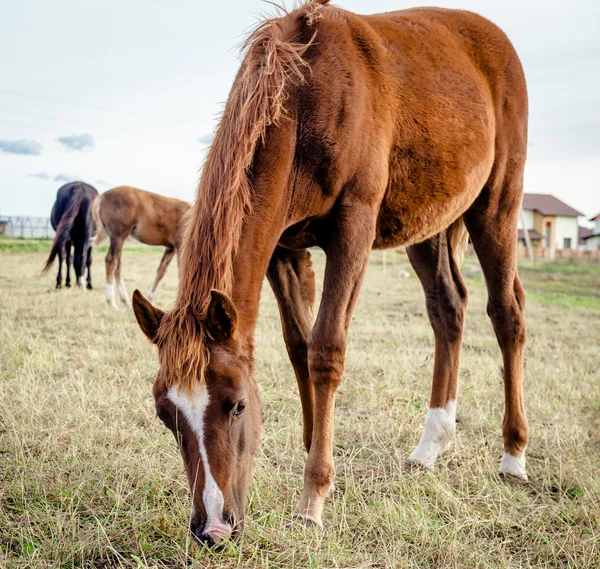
<point>40,175</point>
<point>205,139</point>
<point>78,142</point>
<point>64,178</point>
<point>24,147</point>
<point>102,183</point>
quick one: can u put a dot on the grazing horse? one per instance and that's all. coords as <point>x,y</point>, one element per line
<point>150,218</point>
<point>349,133</point>
<point>72,220</point>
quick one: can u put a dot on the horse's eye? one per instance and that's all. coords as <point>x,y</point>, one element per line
<point>240,408</point>
<point>164,417</point>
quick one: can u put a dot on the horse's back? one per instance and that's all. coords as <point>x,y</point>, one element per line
<point>149,217</point>
<point>64,197</point>
<point>427,95</point>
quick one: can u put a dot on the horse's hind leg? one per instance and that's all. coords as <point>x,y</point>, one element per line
<point>446,300</point>
<point>61,253</point>
<point>492,224</point>
<point>89,269</point>
<point>68,262</point>
<point>160,273</point>
<point>292,279</point>
<point>113,258</point>
<point>121,283</point>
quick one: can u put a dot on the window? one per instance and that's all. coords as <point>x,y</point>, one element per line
<point>567,243</point>
<point>548,233</point>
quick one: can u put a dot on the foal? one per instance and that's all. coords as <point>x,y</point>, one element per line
<point>349,133</point>
<point>150,218</point>
<point>72,220</point>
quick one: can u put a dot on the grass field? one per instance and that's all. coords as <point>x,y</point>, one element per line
<point>89,477</point>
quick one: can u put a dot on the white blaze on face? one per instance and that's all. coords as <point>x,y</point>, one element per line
<point>194,410</point>
<point>440,426</point>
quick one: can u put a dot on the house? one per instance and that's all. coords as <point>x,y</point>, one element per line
<point>592,239</point>
<point>550,223</point>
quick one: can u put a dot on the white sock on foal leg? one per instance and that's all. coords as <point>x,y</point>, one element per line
<point>440,426</point>
<point>123,291</point>
<point>109,294</point>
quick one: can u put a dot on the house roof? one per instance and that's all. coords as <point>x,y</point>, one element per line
<point>584,233</point>
<point>548,205</point>
<point>533,234</point>
<point>595,218</point>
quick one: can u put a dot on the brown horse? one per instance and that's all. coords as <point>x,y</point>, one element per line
<point>349,133</point>
<point>150,218</point>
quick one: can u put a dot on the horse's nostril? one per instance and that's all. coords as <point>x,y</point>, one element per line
<point>195,528</point>
<point>206,539</point>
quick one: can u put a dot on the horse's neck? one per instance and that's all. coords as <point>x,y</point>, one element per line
<point>258,241</point>
<point>263,226</point>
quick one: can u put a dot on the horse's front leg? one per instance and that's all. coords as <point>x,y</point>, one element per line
<point>292,279</point>
<point>347,252</point>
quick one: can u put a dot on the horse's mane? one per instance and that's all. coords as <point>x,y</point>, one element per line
<point>272,61</point>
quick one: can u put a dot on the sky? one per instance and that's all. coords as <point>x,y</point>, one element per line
<point>129,92</point>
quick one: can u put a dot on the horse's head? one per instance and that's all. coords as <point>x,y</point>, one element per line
<point>216,422</point>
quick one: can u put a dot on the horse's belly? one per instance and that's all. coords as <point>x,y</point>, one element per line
<point>420,205</point>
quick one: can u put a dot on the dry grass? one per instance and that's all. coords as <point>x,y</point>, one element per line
<point>89,478</point>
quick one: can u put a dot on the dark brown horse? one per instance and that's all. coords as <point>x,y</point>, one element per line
<point>72,220</point>
<point>150,218</point>
<point>349,133</point>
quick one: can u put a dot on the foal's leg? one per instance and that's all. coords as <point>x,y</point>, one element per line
<point>446,299</point>
<point>492,225</point>
<point>89,269</point>
<point>112,260</point>
<point>68,257</point>
<point>292,279</point>
<point>121,283</point>
<point>347,252</point>
<point>61,253</point>
<point>160,273</point>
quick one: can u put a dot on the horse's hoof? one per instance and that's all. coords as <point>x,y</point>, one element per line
<point>305,520</point>
<point>58,285</point>
<point>513,478</point>
<point>89,286</point>
<point>68,285</point>
<point>410,465</point>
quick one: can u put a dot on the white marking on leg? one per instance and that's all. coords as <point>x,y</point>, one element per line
<point>79,281</point>
<point>440,426</point>
<point>123,291</point>
<point>153,289</point>
<point>109,294</point>
<point>194,409</point>
<point>513,466</point>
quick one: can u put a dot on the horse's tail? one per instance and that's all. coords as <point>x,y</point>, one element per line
<point>458,238</point>
<point>63,230</point>
<point>101,232</point>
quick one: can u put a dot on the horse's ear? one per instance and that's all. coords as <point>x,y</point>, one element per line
<point>222,316</point>
<point>148,316</point>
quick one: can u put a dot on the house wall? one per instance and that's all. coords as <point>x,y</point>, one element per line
<point>592,244</point>
<point>528,216</point>
<point>566,227</point>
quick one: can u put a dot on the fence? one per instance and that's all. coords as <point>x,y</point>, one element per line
<point>556,254</point>
<point>26,227</point>
<point>546,254</point>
